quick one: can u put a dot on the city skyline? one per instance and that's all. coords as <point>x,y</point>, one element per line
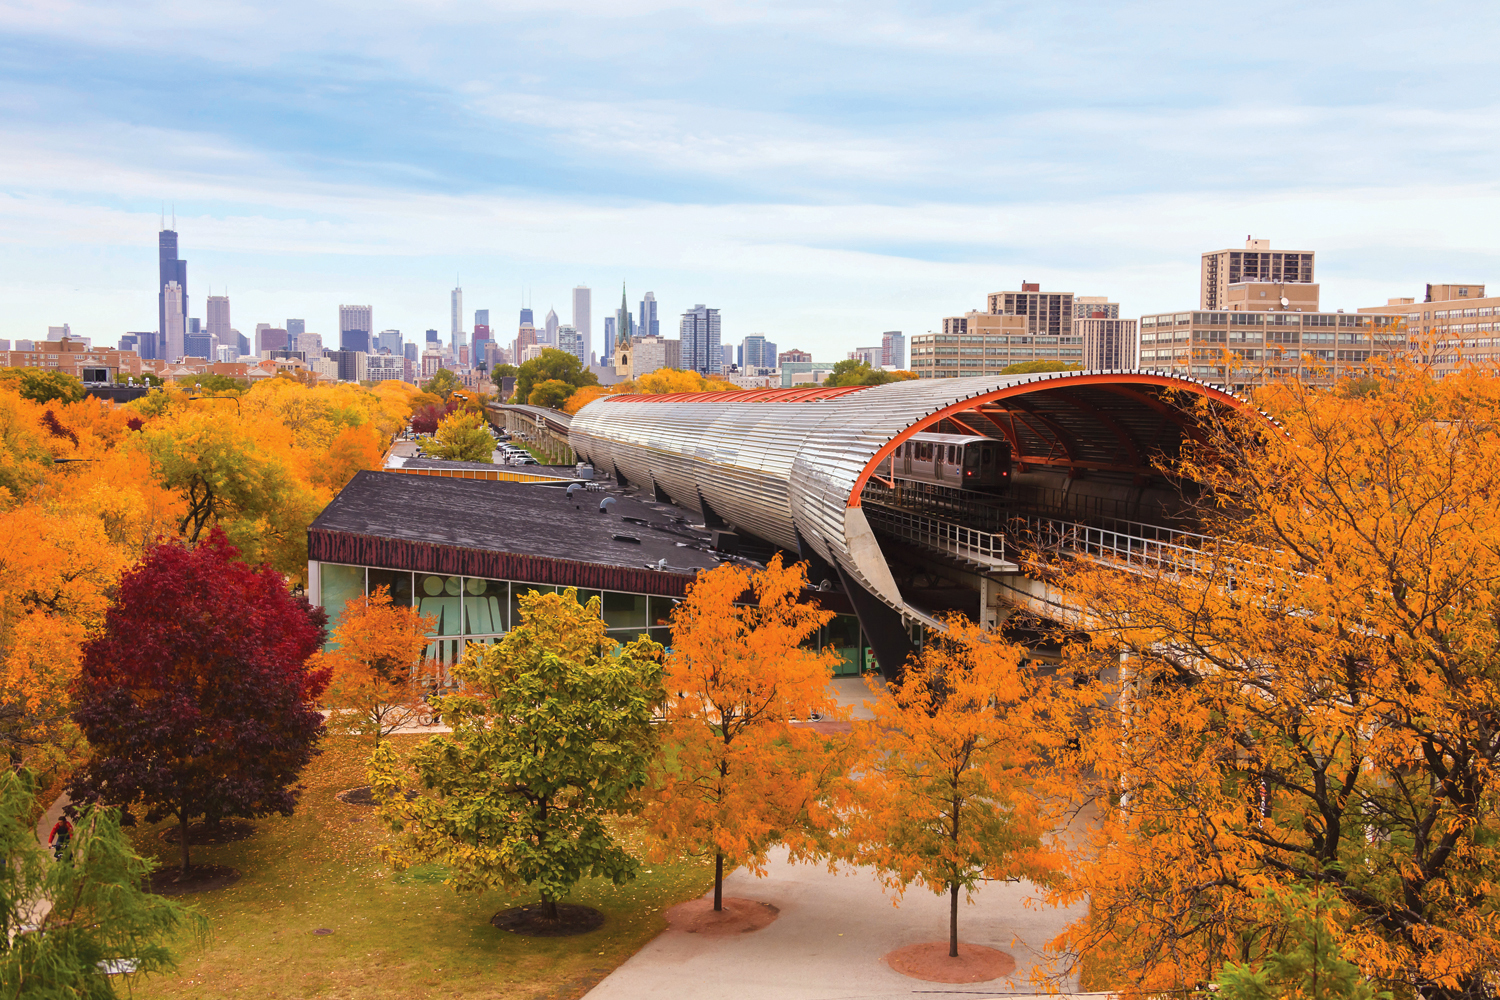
<point>808,195</point>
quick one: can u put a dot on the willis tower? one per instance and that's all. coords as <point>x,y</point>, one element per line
<point>172,297</point>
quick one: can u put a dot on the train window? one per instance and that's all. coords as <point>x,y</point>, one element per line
<point>985,455</point>
<point>971,456</point>
<point>951,459</point>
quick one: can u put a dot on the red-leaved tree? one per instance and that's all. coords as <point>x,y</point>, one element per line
<point>197,697</point>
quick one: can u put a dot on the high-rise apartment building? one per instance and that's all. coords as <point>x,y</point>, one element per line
<point>355,324</point>
<point>1108,344</point>
<point>569,340</point>
<point>460,338</point>
<point>868,355</point>
<point>701,351</point>
<point>1028,325</point>
<point>171,269</point>
<point>1095,307</point>
<point>893,349</point>
<point>1257,279</point>
<point>583,319</point>
<point>648,324</point>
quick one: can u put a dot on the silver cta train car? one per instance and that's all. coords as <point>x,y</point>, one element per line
<point>958,461</point>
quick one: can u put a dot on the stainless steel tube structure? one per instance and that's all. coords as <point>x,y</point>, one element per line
<point>789,466</point>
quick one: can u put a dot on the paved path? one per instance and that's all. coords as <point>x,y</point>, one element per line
<point>828,942</point>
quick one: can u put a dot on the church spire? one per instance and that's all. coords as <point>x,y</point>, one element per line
<point>622,319</point>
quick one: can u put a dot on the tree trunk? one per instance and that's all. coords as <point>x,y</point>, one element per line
<point>718,883</point>
<point>952,919</point>
<point>549,908</point>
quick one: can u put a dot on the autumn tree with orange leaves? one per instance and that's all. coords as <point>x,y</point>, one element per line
<point>1316,706</point>
<point>375,666</point>
<point>738,775</point>
<point>943,795</point>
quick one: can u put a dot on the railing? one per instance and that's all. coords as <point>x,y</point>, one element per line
<point>1140,544</point>
<point>982,546</point>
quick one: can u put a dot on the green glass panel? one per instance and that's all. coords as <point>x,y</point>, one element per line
<point>624,610</point>
<point>439,598</point>
<point>486,605</point>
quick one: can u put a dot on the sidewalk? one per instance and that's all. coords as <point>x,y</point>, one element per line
<point>828,941</point>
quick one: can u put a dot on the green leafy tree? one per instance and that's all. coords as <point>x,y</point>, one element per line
<point>442,383</point>
<point>852,371</point>
<point>41,386</point>
<point>100,916</point>
<point>461,437</point>
<point>554,737</point>
<point>552,364</point>
<point>213,383</point>
<point>552,393</point>
<point>1310,963</point>
<point>1037,367</point>
<point>503,371</point>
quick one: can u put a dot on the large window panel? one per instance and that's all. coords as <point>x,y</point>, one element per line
<point>661,611</point>
<point>438,597</point>
<point>486,606</point>
<point>341,584</point>
<point>517,590</point>
<point>399,582</point>
<point>625,610</point>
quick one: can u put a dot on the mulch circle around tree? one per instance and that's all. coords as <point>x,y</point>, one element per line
<point>739,916</point>
<point>930,961</point>
<point>170,881</point>
<point>202,833</point>
<point>528,920</point>
<point>364,796</point>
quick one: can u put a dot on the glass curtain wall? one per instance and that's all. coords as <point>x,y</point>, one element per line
<point>468,609</point>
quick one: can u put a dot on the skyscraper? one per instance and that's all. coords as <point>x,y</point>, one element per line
<point>893,349</point>
<point>481,327</point>
<point>355,324</point>
<point>649,326</point>
<point>550,326</point>
<point>701,351</point>
<point>218,320</point>
<point>752,351</point>
<point>295,327</point>
<point>174,325</point>
<point>459,337</point>
<point>583,319</point>
<point>389,340</point>
<point>171,270</point>
<point>568,340</point>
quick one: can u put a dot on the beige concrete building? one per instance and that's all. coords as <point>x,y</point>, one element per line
<point>1029,325</point>
<point>1244,349</point>
<point>1455,325</point>
<point>1257,278</point>
<point>1108,344</point>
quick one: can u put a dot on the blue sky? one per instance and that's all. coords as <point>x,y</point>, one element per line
<point>820,172</point>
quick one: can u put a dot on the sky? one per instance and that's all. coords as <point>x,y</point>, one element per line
<point>819,172</point>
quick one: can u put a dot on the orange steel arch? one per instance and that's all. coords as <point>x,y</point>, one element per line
<point>1217,395</point>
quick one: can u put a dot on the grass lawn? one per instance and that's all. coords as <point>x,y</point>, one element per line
<point>393,936</point>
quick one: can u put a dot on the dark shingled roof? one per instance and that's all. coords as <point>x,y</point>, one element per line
<point>526,519</point>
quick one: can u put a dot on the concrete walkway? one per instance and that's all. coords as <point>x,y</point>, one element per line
<point>828,942</point>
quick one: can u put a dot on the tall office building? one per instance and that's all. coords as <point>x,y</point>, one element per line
<point>893,349</point>
<point>271,338</point>
<point>411,350</point>
<point>296,327</point>
<point>218,320</point>
<point>526,317</point>
<point>583,319</point>
<point>389,340</point>
<point>432,337</point>
<point>549,326</point>
<point>481,328</point>
<point>753,351</point>
<point>174,326</point>
<point>355,324</point>
<point>460,338</point>
<point>171,269</point>
<point>648,323</point>
<point>609,334</point>
<point>310,344</point>
<point>867,355</point>
<point>1257,279</point>
<point>701,351</point>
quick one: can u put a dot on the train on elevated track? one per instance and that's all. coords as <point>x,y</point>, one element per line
<point>958,461</point>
